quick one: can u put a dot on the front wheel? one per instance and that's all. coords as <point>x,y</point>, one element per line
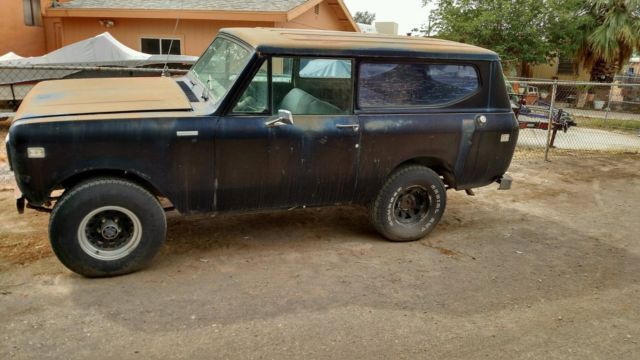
<point>409,205</point>
<point>107,227</point>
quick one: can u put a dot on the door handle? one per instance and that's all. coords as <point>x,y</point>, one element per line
<point>354,127</point>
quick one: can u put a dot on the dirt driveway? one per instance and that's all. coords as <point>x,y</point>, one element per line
<point>550,269</point>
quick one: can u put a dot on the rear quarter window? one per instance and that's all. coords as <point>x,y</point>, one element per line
<point>402,85</point>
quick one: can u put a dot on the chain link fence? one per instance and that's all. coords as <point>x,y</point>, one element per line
<point>19,77</point>
<point>559,118</point>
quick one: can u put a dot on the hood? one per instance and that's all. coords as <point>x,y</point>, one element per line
<point>99,96</point>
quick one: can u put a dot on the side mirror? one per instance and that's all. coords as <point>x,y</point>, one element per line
<point>284,118</point>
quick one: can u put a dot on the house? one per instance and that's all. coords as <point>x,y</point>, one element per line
<point>565,69</point>
<point>632,69</point>
<point>21,30</point>
<point>561,69</point>
<point>182,26</point>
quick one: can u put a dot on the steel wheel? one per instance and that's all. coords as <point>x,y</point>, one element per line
<point>411,205</point>
<point>109,233</point>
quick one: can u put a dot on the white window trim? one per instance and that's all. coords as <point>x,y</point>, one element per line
<point>161,37</point>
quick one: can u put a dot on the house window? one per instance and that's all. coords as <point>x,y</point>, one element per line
<point>32,12</point>
<point>565,66</point>
<point>160,46</point>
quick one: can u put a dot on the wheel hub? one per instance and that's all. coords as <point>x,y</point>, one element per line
<point>109,233</point>
<point>110,230</point>
<point>412,205</point>
<point>407,202</point>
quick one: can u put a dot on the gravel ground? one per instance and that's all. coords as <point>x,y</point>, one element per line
<point>547,270</point>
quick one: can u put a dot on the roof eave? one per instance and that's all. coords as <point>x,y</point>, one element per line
<point>334,4</point>
<point>260,16</point>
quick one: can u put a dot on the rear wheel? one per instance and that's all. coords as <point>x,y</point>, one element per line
<point>409,205</point>
<point>107,227</point>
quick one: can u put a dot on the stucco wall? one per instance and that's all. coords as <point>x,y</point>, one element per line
<point>548,71</point>
<point>195,35</point>
<point>15,35</point>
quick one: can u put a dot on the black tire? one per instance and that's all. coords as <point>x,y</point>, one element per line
<point>409,204</point>
<point>114,208</point>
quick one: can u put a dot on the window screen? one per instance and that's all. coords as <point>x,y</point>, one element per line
<point>160,46</point>
<point>565,66</point>
<point>170,46</point>
<point>400,85</point>
<point>31,10</point>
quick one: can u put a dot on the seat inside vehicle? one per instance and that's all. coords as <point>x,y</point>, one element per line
<point>301,102</point>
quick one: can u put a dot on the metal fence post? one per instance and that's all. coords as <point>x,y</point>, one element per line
<point>608,109</point>
<point>550,124</point>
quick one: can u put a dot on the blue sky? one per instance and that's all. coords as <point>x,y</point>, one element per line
<point>407,13</point>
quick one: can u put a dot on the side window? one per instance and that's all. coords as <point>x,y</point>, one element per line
<point>313,86</point>
<point>401,85</point>
<point>31,10</point>
<point>281,80</point>
<point>255,99</point>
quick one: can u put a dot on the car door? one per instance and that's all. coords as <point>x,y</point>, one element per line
<point>304,156</point>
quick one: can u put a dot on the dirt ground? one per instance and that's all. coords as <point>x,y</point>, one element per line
<point>548,270</point>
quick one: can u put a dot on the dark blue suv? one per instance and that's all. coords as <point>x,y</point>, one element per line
<point>266,119</point>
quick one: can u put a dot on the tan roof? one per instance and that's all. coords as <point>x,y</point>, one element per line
<point>297,42</point>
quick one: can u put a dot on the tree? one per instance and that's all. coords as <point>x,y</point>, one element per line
<point>515,29</point>
<point>600,34</point>
<point>608,37</point>
<point>364,17</point>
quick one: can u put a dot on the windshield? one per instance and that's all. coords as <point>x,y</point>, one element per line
<point>220,66</point>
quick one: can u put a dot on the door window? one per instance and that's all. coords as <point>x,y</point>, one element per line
<point>312,86</point>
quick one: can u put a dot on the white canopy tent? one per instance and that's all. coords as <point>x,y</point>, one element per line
<point>100,50</point>
<point>17,74</point>
<point>10,56</point>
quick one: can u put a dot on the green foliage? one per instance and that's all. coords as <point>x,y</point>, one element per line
<point>632,126</point>
<point>602,34</point>
<point>515,29</point>
<point>364,17</point>
<point>611,37</point>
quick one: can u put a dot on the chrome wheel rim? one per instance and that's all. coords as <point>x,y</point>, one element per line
<point>109,233</point>
<point>411,205</point>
